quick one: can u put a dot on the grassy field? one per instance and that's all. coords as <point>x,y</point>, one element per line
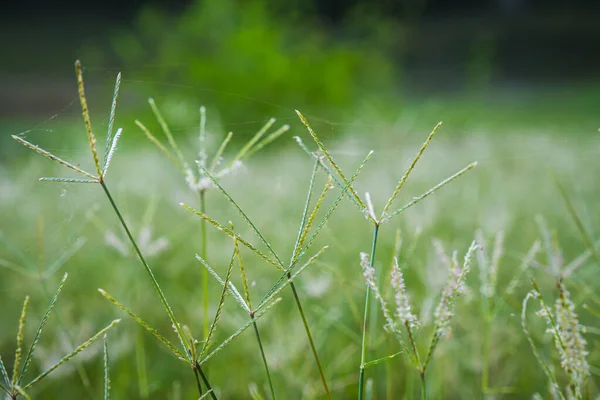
<point>528,204</point>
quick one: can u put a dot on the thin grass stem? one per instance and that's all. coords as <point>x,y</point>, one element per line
<point>148,270</point>
<point>264,358</point>
<point>363,349</point>
<point>203,254</point>
<point>310,338</point>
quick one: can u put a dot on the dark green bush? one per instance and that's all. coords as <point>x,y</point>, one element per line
<point>250,63</point>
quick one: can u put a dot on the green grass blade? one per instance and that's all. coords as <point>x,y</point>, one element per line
<point>380,360</point>
<point>301,230</point>
<point>272,137</point>
<point>14,249</point>
<point>276,289</point>
<point>409,170</point>
<point>330,159</point>
<point>22,392</point>
<point>202,135</point>
<point>19,350</point>
<point>86,117</point>
<point>213,326</point>
<point>106,374</point>
<point>311,220</point>
<point>11,266</point>
<point>219,154</point>
<point>167,132</point>
<point>205,395</point>
<point>65,257</point>
<point>334,206</point>
<point>237,333</point>
<point>587,239</point>
<point>243,214</point>
<point>243,274</point>
<point>228,232</point>
<point>78,350</point>
<point>242,153</point>
<point>231,287</point>
<point>4,388</point>
<point>434,189</point>
<point>144,324</point>
<point>160,146</point>
<point>111,122</point>
<point>4,373</point>
<point>38,332</point>
<point>140,362</point>
<point>112,150</point>
<point>327,170</point>
<point>264,359</point>
<point>67,180</point>
<point>53,157</point>
<point>547,371</point>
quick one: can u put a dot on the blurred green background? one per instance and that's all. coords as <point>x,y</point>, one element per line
<point>515,83</point>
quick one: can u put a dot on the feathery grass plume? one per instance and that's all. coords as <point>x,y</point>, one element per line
<point>403,309</point>
<point>369,212</point>
<point>445,309</point>
<point>572,346</point>
<point>370,278</point>
<point>534,295</point>
<point>564,328</point>
<point>106,373</point>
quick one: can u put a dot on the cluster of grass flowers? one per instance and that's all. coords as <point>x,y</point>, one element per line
<point>418,337</point>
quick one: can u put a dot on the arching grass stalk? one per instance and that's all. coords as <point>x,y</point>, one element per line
<point>196,178</point>
<point>187,346</point>
<point>303,243</point>
<point>99,178</point>
<point>386,215</point>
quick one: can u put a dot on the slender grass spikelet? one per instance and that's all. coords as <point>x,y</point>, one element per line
<point>445,309</point>
<point>369,275</point>
<point>86,117</point>
<point>19,350</point>
<point>403,310</point>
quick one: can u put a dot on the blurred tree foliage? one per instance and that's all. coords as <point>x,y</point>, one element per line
<point>251,59</point>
